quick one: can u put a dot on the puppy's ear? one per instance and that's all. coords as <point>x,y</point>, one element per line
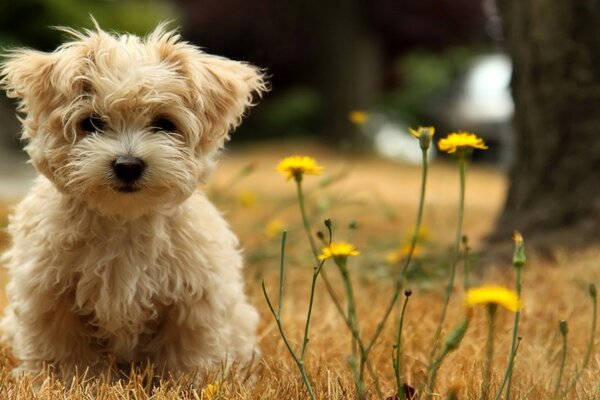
<point>226,90</point>
<point>26,75</point>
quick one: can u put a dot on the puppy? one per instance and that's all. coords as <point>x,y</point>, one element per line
<point>116,256</point>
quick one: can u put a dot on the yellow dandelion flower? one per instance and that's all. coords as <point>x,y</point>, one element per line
<point>461,140</point>
<point>338,249</point>
<point>297,166</point>
<point>395,256</point>
<point>247,199</point>
<point>429,130</point>
<point>274,228</point>
<point>493,295</point>
<point>358,117</point>
<point>211,391</point>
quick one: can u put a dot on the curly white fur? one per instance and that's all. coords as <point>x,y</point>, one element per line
<point>98,274</point>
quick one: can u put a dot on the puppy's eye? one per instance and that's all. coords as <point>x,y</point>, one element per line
<point>93,123</point>
<point>163,124</point>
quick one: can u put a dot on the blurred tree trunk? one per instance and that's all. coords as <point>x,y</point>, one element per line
<point>555,183</point>
<point>349,68</point>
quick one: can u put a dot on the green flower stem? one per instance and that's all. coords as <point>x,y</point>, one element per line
<point>397,350</point>
<point>315,252</point>
<point>564,330</point>
<point>313,283</point>
<point>277,315</point>
<point>314,249</point>
<point>400,278</point>
<point>415,237</point>
<point>352,320</point>
<point>590,345</point>
<point>489,352</point>
<point>451,343</point>
<point>305,221</point>
<point>466,266</point>
<point>507,380</point>
<point>461,207</point>
<point>355,334</point>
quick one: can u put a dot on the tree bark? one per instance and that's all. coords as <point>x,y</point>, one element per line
<point>555,183</point>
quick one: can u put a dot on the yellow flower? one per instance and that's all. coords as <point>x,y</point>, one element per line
<point>423,235</point>
<point>296,166</point>
<point>247,199</point>
<point>518,238</point>
<point>424,134</point>
<point>395,256</point>
<point>358,117</point>
<point>274,228</point>
<point>493,295</point>
<point>461,140</point>
<point>338,249</point>
<point>430,130</point>
<point>211,391</point>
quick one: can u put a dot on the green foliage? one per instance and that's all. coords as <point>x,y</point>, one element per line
<point>423,74</point>
<point>28,22</point>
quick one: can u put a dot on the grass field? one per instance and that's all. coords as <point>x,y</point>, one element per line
<point>381,197</point>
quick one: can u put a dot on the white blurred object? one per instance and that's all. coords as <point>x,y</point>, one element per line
<point>482,102</point>
<point>392,140</point>
<point>486,96</point>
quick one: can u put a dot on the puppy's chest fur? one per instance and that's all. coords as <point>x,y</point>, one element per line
<point>123,277</point>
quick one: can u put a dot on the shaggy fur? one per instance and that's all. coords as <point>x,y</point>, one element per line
<point>104,269</point>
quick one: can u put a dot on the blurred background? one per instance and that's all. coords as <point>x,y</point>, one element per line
<point>404,63</point>
<point>351,76</point>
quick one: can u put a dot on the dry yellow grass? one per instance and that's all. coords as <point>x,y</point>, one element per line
<point>381,196</point>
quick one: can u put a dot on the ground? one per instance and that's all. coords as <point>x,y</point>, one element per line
<point>380,196</point>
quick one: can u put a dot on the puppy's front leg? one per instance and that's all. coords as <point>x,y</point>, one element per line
<point>45,331</point>
<point>192,338</point>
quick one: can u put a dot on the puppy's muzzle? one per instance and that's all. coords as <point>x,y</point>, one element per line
<point>128,171</point>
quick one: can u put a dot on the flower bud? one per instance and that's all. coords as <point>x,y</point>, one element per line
<point>592,290</point>
<point>519,257</point>
<point>564,327</point>
<point>453,339</point>
<point>425,138</point>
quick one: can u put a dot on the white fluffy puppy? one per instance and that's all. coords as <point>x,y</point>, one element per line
<point>116,255</point>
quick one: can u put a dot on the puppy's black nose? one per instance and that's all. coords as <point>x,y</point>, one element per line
<point>128,169</point>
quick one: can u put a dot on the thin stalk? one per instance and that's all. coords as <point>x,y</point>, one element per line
<point>397,349</point>
<point>281,269</point>
<point>432,376</point>
<point>355,334</point>
<point>310,307</point>
<point>454,259</point>
<point>350,300</point>
<point>466,265</point>
<point>400,278</point>
<point>590,345</point>
<point>315,252</point>
<point>507,380</point>
<point>305,221</point>
<point>563,356</point>
<point>299,362</point>
<point>277,316</point>
<point>451,343</point>
<point>489,352</point>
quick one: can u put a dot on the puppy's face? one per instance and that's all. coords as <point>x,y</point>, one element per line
<point>128,125</point>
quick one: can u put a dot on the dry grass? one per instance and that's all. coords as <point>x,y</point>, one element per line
<point>381,196</point>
